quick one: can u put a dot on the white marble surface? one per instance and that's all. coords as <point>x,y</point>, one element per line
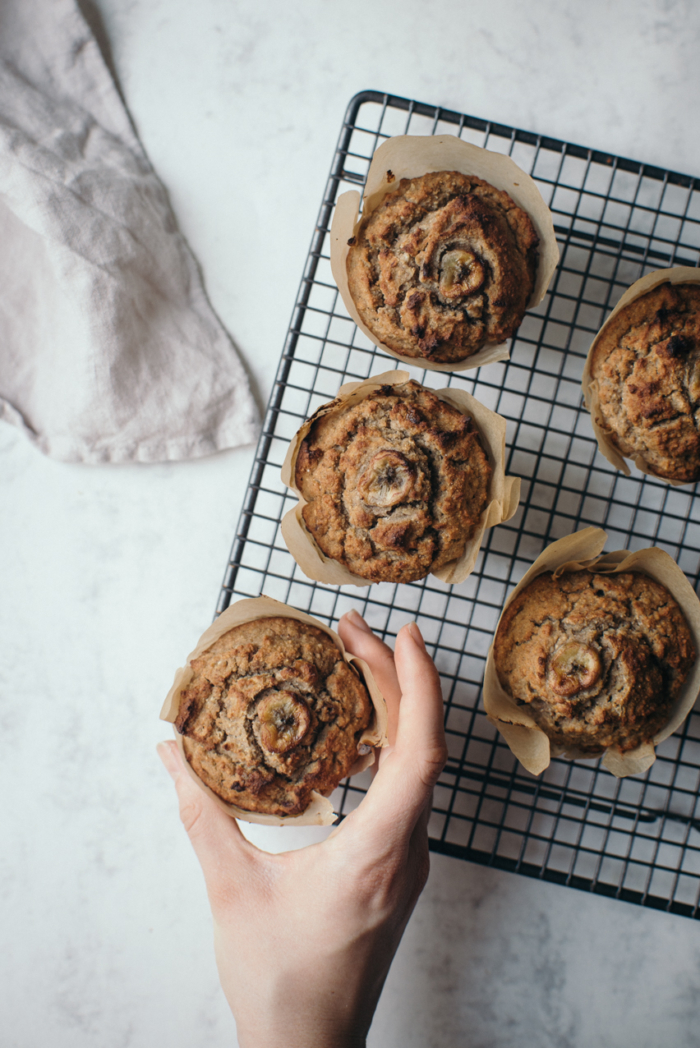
<point>110,573</point>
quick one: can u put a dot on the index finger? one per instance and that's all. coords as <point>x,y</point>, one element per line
<point>359,640</point>
<point>406,776</point>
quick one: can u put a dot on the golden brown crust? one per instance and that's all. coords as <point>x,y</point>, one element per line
<point>647,366</point>
<point>395,485</point>
<point>443,265</point>
<point>599,660</point>
<point>272,713</point>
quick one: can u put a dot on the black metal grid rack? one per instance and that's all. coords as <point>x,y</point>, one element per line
<point>639,838</point>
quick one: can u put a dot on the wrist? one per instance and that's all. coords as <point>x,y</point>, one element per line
<point>307,1034</point>
<point>322,1004</point>
<point>293,1019</point>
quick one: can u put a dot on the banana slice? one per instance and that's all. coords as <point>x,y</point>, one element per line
<point>694,380</point>
<point>388,479</point>
<point>461,274</point>
<point>284,720</point>
<point>573,667</point>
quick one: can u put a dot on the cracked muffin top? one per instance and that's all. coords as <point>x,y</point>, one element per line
<point>395,485</point>
<point>599,660</point>
<point>272,713</point>
<point>443,265</point>
<point>647,366</point>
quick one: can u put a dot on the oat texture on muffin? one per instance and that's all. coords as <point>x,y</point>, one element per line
<point>444,264</point>
<point>646,364</point>
<point>395,484</point>
<point>597,659</point>
<point>273,712</point>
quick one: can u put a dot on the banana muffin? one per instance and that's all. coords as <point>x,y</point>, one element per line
<point>598,660</point>
<point>395,485</point>
<point>272,713</point>
<point>444,264</point>
<point>647,367</point>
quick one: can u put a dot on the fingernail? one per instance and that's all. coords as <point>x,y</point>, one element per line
<point>416,635</point>
<point>168,756</point>
<point>356,619</point>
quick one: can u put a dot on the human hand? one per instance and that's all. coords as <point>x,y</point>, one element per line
<point>304,939</point>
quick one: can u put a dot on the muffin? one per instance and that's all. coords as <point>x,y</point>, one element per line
<point>597,659</point>
<point>395,484</point>
<point>646,366</point>
<point>272,713</point>
<point>444,264</point>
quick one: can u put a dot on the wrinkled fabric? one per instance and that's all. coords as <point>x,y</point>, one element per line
<point>109,349</point>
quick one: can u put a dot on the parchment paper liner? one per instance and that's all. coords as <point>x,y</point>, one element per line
<point>677,275</point>
<point>409,156</point>
<point>505,491</point>
<point>320,810</point>
<point>582,550</point>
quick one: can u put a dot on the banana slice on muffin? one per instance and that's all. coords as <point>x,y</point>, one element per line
<point>598,660</point>
<point>445,264</point>
<point>395,484</point>
<point>272,713</point>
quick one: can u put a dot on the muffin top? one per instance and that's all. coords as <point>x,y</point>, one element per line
<point>647,366</point>
<point>443,265</point>
<point>599,660</point>
<point>272,713</point>
<point>395,484</point>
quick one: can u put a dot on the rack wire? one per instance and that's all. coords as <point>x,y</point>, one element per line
<point>636,839</point>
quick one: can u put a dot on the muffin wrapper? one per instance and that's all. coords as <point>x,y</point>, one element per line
<point>677,275</point>
<point>504,494</point>
<point>583,550</point>
<point>409,156</point>
<point>320,810</point>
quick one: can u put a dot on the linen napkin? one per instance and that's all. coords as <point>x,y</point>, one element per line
<point>109,348</point>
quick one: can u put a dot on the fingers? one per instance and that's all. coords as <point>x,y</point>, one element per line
<point>421,732</point>
<point>215,836</point>
<point>402,787</point>
<point>359,640</point>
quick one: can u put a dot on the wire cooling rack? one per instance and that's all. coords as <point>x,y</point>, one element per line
<point>636,839</point>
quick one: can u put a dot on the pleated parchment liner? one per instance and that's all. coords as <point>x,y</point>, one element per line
<point>320,810</point>
<point>410,156</point>
<point>504,493</point>
<point>575,552</point>
<point>677,275</point>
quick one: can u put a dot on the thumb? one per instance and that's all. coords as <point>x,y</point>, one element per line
<point>215,836</point>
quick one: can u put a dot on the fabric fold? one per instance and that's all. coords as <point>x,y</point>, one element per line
<point>109,348</point>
